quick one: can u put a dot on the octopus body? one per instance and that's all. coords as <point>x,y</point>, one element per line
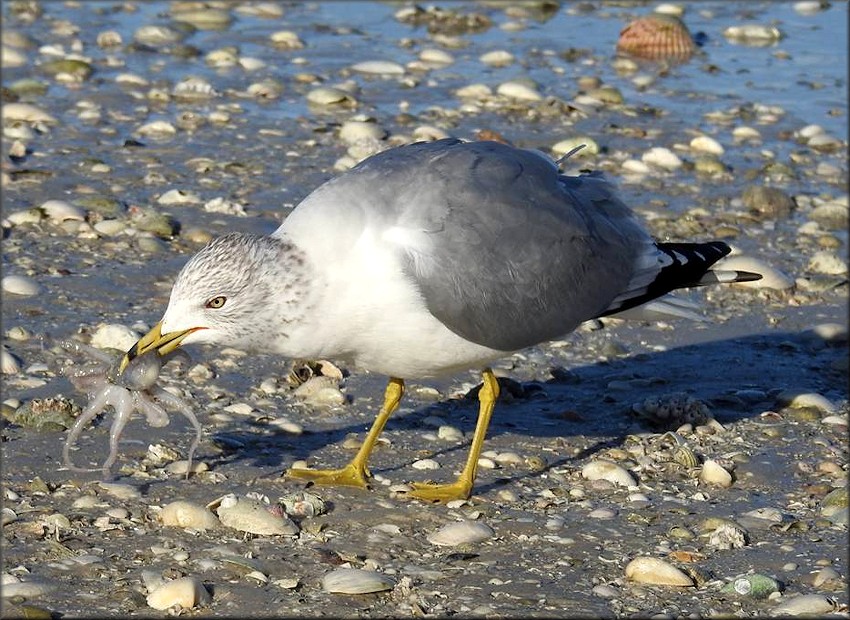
<point>134,389</point>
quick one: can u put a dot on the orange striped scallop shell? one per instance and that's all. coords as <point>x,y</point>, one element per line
<point>657,37</point>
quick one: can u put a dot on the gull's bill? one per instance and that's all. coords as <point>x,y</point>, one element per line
<point>156,340</point>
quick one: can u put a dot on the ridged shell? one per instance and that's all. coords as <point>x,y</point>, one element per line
<point>356,581</point>
<point>657,37</point>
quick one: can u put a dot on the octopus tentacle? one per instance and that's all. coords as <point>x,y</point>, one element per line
<point>156,415</point>
<point>97,404</point>
<point>177,403</point>
<point>124,403</point>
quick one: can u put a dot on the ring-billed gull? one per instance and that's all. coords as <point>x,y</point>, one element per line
<point>427,259</point>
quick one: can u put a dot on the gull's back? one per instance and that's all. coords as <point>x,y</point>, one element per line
<point>504,250</point>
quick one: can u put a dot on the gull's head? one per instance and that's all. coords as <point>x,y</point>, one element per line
<point>240,290</point>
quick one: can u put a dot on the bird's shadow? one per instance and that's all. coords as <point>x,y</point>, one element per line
<point>736,378</point>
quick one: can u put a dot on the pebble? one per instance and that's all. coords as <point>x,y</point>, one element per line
<point>356,581</point>
<point>460,532</point>
<point>382,67</point>
<point>590,147</point>
<point>655,571</point>
<point>114,336</point>
<point>810,7</point>
<point>810,605</point>
<point>602,514</point>
<point>662,157</point>
<point>771,277</point>
<point>254,517</point>
<point>20,285</point>
<point>601,469</point>
<point>715,474</point>
<point>767,202</point>
<point>187,592</point>
<point>186,514</point>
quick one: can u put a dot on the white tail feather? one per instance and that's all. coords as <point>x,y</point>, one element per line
<point>666,307</point>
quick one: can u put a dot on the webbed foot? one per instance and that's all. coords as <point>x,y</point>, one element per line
<point>444,493</point>
<point>349,476</point>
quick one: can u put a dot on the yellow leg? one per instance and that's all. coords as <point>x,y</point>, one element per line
<point>356,473</point>
<point>462,487</point>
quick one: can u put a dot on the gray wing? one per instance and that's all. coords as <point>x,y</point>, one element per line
<point>506,252</point>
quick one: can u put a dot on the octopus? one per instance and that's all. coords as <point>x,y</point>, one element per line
<point>134,389</point>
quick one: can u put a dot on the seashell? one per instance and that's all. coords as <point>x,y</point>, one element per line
<point>425,464</point>
<point>518,90</point>
<point>187,592</point>
<point>436,56</point>
<point>182,513</point>
<point>27,589</point>
<point>655,571</point>
<point>834,506</point>
<point>657,37</point>
<point>754,586</point>
<point>9,364</point>
<point>728,535</point>
<point>797,399</point>
<point>379,67</point>
<point>157,35</point>
<point>204,18</point>
<point>811,605</point>
<point>706,144</point>
<point>714,473</point>
<point>497,58</point>
<point>254,517</point>
<point>114,336</point>
<point>157,129</point>
<point>20,285</point>
<point>661,157</point>
<point>461,532</point>
<point>320,391</point>
<point>771,277</point>
<point>26,112</point>
<point>601,469</point>
<point>826,575</point>
<point>328,95</point>
<point>589,146</point>
<point>685,457</point>
<point>756,35</point>
<point>286,39</point>
<point>352,132</point>
<point>828,263</point>
<point>179,197</point>
<point>59,211</point>
<point>356,581</point>
<point>303,504</point>
<point>47,414</point>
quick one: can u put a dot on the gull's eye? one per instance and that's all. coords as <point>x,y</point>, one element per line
<point>216,302</point>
